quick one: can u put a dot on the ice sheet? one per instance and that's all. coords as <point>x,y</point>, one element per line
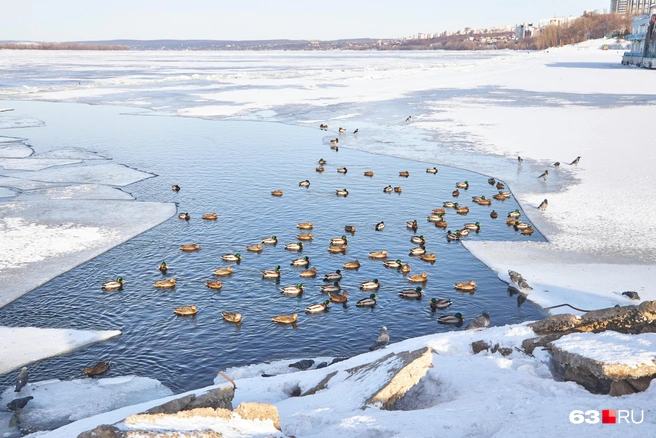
<point>108,174</point>
<point>33,163</point>
<point>7,122</point>
<point>72,153</point>
<point>612,348</point>
<point>14,149</point>
<point>86,191</point>
<point>7,193</point>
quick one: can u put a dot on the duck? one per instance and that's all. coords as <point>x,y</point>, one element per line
<point>285,319</point>
<point>393,264</point>
<point>461,210</point>
<point>113,284</point>
<point>491,181</point>
<point>556,164</point>
<point>163,267</point>
<point>519,160</point>
<point>351,265</point>
<point>175,188</point>
<point>349,228</point>
<point>342,170</point>
<point>367,302</point>
<point>420,278</point>
<point>449,204</point>
<point>466,285</point>
<point>186,310</point>
<point>254,248</point>
<point>519,225</point>
<point>310,273</point>
<point>270,240</point>
<point>388,189</point>
<point>528,231</point>
<point>439,303</point>
<point>292,290</point>
<point>428,257</point>
<point>232,317</point>
<point>441,211</point>
<point>455,193</point>
<point>317,308</point>
<point>415,294</point>
<point>398,189</point>
<point>305,183</point>
<point>336,249</point>
<point>419,240</point>
<point>378,254</point>
<point>302,262</point>
<point>337,298</point>
<point>451,319</point>
<point>98,369</point>
<point>322,126</point>
<point>305,236</point>
<point>432,170</point>
<point>494,214</point>
<point>380,226</point>
<point>322,161</point>
<point>370,285</point>
<point>575,162</point>
<point>210,216</point>
<point>276,193</point>
<point>216,284</point>
<point>404,174</point>
<point>543,205</point>
<point>356,130</point>
<point>441,223</point>
<point>185,216</point>
<point>452,236</point>
<point>165,284</point>
<point>462,185</point>
<point>500,186</point>
<point>342,192</point>
<point>500,196</point>
<point>334,147</point>
<point>231,257</point>
<point>190,247</point>
<point>475,226</point>
<point>516,213</point>
<point>420,250</point>
<point>223,272</point>
<point>369,173</point>
<point>339,240</point>
<point>331,288</point>
<point>412,225</point>
<point>319,169</point>
<point>405,268</point>
<point>464,232</point>
<point>271,273</point>
<point>298,246</point>
<point>333,276</point>
<point>305,225</point>
<point>342,130</point>
<point>335,141</point>
<point>484,201</point>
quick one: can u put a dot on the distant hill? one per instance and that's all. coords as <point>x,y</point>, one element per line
<point>236,45</point>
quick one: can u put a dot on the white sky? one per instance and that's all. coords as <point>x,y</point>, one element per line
<point>70,20</point>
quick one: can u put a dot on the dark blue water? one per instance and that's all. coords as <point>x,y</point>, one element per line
<point>230,168</point>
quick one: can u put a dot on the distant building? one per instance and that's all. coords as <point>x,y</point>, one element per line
<point>556,21</point>
<point>618,6</point>
<point>643,41</point>
<point>524,30</point>
<point>638,7</point>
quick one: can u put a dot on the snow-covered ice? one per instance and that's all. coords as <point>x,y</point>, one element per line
<point>7,122</point>
<point>33,163</point>
<point>7,193</point>
<point>72,153</point>
<point>612,347</point>
<point>106,173</point>
<point>83,191</point>
<point>15,149</point>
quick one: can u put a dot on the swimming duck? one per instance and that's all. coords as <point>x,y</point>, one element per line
<point>216,284</point>
<point>441,211</point>
<point>185,216</point>
<point>464,232</point>
<point>342,170</point>
<point>378,254</point>
<point>175,188</point>
<point>337,298</point>
<point>351,265</point>
<point>302,262</point>
<point>449,204</point>
<point>439,303</point>
<point>369,173</point>
<point>277,193</point>
<point>462,185</point>
<point>417,251</point>
<point>223,272</point>
<point>232,317</point>
<point>420,240</point>
<point>528,231</point>
<point>367,302</point>
<point>441,223</point>
<point>452,236</point>
<point>461,210</point>
<point>163,267</point>
<point>370,285</point>
<point>186,310</point>
<point>97,369</point>
<point>305,183</point>
<point>322,161</point>
<point>334,147</point>
<point>380,226</point>
<point>298,246</point>
<point>415,294</point>
<point>388,189</point>
<point>336,249</point>
<point>270,240</point>
<point>500,196</point>
<point>292,290</point>
<point>349,228</point>
<point>190,247</point>
<point>543,205</point>
<point>451,319</point>
<point>511,221</point>
<point>339,240</point>
<point>484,201</point>
<point>113,284</point>
<point>210,216</point>
<point>317,308</point>
<point>455,193</point>
<point>271,273</point>
<point>475,226</point>
<point>231,257</point>
<point>428,257</point>
<point>310,273</point>
<point>466,285</point>
<point>165,284</point>
<point>500,186</point>
<point>305,236</point>
<point>393,264</point>
<point>342,130</point>
<point>405,268</point>
<point>404,174</point>
<point>398,189</point>
<point>575,162</point>
<point>494,214</point>
<point>333,276</point>
<point>491,181</point>
<point>514,214</point>
<point>285,319</point>
<point>432,170</point>
<point>254,248</point>
<point>331,288</point>
<point>519,225</point>
<point>342,192</point>
<point>305,225</point>
<point>421,278</point>
<point>319,169</point>
<point>412,225</point>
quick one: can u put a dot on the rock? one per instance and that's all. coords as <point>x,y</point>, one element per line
<point>172,434</point>
<point>172,406</point>
<point>215,398</point>
<point>259,411</point>
<point>479,346</point>
<point>529,345</point>
<point>103,431</point>
<point>323,384</point>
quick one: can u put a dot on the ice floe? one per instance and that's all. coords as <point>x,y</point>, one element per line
<point>14,149</point>
<point>8,122</point>
<point>7,193</point>
<point>83,191</point>
<point>72,153</point>
<point>106,173</point>
<point>33,163</point>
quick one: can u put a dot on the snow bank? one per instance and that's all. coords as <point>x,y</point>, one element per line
<point>612,348</point>
<point>20,346</point>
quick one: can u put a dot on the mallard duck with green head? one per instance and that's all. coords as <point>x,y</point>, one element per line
<point>339,240</point>
<point>393,264</point>
<point>451,319</point>
<point>367,302</point>
<point>420,250</point>
<point>333,276</point>
<point>462,185</point>
<point>298,246</point>
<point>331,288</point>
<point>163,267</point>
<point>301,262</point>
<point>439,303</point>
<point>419,240</point>
<point>370,285</point>
<point>113,284</point>
<point>271,273</point>
<point>317,308</point>
<point>231,257</point>
<point>413,294</point>
<point>292,290</point>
